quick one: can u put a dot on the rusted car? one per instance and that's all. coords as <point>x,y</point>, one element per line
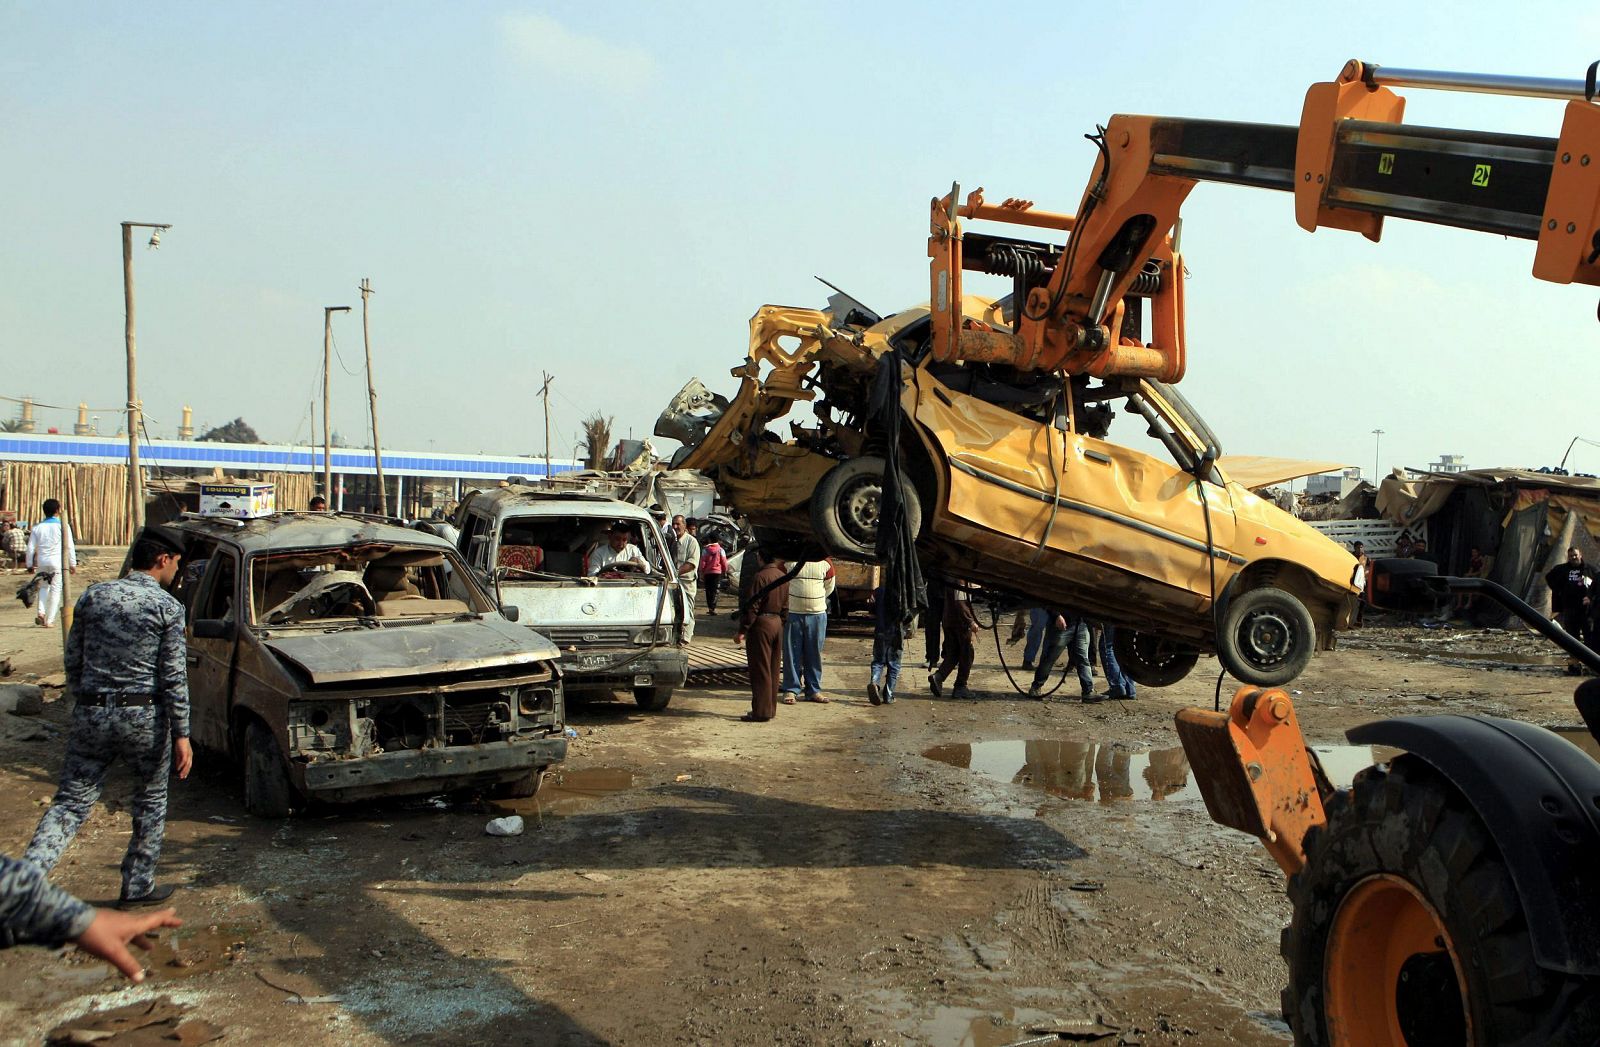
<point>1011,479</point>
<point>335,657</point>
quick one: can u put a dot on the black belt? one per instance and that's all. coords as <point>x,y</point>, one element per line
<point>769,614</point>
<point>115,701</point>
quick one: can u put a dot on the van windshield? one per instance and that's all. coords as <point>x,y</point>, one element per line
<point>560,548</point>
<point>371,580</point>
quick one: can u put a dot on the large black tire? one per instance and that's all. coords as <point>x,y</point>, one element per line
<point>1267,637</point>
<point>1152,661</point>
<point>269,792</point>
<point>844,508</point>
<point>1406,835</point>
<point>652,699</point>
<point>519,788</point>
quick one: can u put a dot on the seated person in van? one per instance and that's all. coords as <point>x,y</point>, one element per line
<point>617,551</point>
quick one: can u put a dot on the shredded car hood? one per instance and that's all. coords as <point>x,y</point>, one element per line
<point>411,650</point>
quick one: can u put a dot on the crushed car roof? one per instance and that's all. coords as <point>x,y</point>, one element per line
<point>534,501</point>
<point>304,530</point>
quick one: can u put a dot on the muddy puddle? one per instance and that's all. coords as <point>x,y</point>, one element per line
<point>968,1027</point>
<point>1075,769</point>
<point>566,791</point>
<point>190,951</point>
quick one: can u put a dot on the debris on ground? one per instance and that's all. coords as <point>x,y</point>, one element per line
<point>24,699</point>
<point>510,825</point>
<point>145,1024</point>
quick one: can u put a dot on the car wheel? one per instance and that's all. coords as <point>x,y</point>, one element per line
<point>268,790</point>
<point>1152,661</point>
<point>652,699</point>
<point>1407,927</point>
<point>845,507</point>
<point>519,788</point>
<point>1267,637</point>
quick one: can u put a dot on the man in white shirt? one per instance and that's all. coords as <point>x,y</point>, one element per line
<point>686,553</point>
<point>617,551</point>
<point>50,548</point>
<point>806,630</point>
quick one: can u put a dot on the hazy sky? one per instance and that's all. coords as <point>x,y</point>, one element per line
<point>608,191</point>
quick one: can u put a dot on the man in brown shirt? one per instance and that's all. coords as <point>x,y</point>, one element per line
<point>761,623</point>
<point>960,628</point>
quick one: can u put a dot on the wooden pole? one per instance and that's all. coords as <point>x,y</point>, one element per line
<point>135,477</point>
<point>327,430</point>
<point>372,402</point>
<point>66,557</point>
<point>135,413</point>
<point>545,392</point>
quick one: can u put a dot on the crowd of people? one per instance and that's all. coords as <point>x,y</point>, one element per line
<point>783,625</point>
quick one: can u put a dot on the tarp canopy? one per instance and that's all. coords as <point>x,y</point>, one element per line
<point>1412,498</point>
<point>1255,471</point>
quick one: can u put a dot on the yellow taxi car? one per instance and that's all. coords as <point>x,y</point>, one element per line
<point>1011,480</point>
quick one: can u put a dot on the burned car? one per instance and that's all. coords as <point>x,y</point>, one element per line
<point>341,658</point>
<point>1014,480</point>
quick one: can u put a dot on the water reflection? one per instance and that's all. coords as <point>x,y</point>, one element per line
<point>1075,769</point>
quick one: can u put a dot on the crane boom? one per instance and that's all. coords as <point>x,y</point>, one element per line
<point>1351,162</point>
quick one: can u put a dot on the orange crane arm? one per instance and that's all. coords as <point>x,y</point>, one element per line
<point>1350,163</point>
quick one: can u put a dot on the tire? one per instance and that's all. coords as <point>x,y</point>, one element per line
<point>1151,661</point>
<point>1403,856</point>
<point>844,508</point>
<point>520,788</point>
<point>1267,637</point>
<point>268,790</point>
<point>652,699</point>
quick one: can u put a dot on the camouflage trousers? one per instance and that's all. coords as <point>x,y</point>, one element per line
<point>139,735</point>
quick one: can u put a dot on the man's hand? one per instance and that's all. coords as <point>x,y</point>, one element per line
<point>109,936</point>
<point>738,639</point>
<point>182,756</point>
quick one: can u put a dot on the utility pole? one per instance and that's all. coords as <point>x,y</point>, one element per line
<point>135,476</point>
<point>372,401</point>
<point>545,392</point>
<point>1377,442</point>
<point>327,366</point>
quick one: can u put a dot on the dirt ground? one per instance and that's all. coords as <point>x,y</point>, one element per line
<point>691,879</point>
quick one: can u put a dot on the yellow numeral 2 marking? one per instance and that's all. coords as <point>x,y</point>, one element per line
<point>1480,175</point>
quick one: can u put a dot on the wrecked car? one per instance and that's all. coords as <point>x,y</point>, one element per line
<point>1012,479</point>
<point>619,628</point>
<point>338,658</point>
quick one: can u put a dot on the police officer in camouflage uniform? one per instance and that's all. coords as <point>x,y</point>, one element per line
<point>34,912</point>
<point>125,665</point>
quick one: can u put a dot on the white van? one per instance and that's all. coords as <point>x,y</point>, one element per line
<point>618,627</point>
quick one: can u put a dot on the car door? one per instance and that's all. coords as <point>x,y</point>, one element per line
<point>1105,509</point>
<point>212,640</point>
<point>1145,512</point>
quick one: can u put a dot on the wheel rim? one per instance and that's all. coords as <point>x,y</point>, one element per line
<point>858,505</point>
<point>1267,638</point>
<point>1393,976</point>
<point>1155,652</point>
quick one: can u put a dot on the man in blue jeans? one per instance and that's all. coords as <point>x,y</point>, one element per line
<point>1065,632</point>
<point>806,630</point>
<point>1118,683</point>
<point>888,638</point>
<point>1032,624</point>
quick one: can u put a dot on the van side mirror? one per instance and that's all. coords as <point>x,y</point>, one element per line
<point>510,612</point>
<point>213,629</point>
